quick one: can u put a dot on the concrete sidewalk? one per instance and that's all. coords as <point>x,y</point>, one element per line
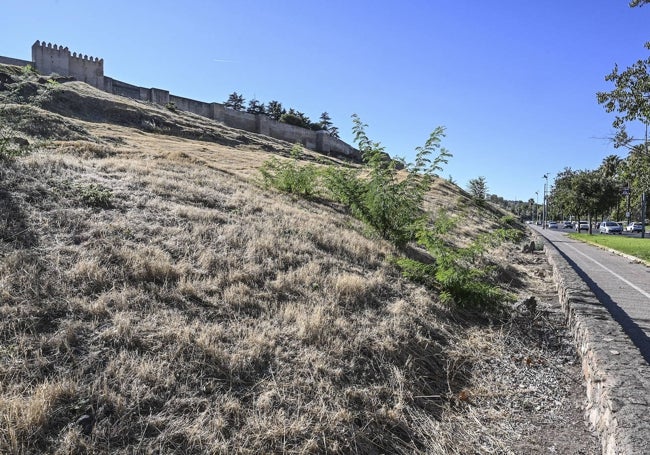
<point>611,329</point>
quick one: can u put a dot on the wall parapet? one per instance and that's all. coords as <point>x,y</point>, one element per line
<point>14,61</point>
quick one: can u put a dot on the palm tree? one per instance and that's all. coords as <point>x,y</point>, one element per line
<point>610,165</point>
<point>531,203</point>
<point>611,168</point>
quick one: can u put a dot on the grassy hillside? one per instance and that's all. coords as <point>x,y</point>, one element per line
<point>155,299</point>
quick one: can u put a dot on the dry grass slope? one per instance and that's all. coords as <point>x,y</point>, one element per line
<point>153,299</point>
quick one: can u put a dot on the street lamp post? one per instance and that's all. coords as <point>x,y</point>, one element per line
<point>626,193</point>
<point>536,206</point>
<point>544,212</point>
<point>644,202</point>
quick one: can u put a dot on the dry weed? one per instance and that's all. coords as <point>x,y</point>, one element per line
<point>198,314</point>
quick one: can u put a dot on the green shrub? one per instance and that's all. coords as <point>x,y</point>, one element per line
<point>96,195</point>
<point>461,275</point>
<point>344,184</point>
<point>11,145</point>
<point>292,119</point>
<point>28,69</point>
<point>385,198</point>
<point>289,176</point>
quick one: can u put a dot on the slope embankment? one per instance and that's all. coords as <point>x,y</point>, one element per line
<point>154,297</point>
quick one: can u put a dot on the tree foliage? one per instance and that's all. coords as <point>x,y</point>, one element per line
<point>463,275</point>
<point>235,101</point>
<point>389,199</point>
<point>585,193</point>
<point>297,118</point>
<point>478,188</point>
<point>611,166</point>
<point>386,198</point>
<point>630,99</point>
<point>275,110</point>
<point>325,121</point>
<point>255,107</point>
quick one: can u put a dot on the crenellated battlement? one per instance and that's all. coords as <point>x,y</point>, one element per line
<point>52,58</point>
<point>85,57</point>
<point>49,46</point>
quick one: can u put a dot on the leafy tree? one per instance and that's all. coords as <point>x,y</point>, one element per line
<point>478,188</point>
<point>386,198</point>
<point>297,118</point>
<point>291,119</point>
<point>638,167</point>
<point>275,110</point>
<point>334,132</point>
<point>255,107</point>
<point>634,3</point>
<point>636,172</point>
<point>235,101</point>
<point>325,121</point>
<point>594,193</point>
<point>630,99</point>
<point>563,193</point>
<point>306,121</point>
<point>315,126</point>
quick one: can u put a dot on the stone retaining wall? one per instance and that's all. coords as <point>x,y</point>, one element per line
<point>616,374</point>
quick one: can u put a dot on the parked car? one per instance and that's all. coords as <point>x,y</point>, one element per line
<point>634,227</point>
<point>567,225</point>
<point>609,227</point>
<point>581,226</point>
<point>552,225</point>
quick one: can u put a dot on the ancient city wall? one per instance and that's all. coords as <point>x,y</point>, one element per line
<point>190,105</point>
<point>50,58</point>
<point>14,61</point>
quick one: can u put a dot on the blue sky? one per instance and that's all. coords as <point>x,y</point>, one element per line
<point>514,82</point>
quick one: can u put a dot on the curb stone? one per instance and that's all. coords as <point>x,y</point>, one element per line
<point>616,375</point>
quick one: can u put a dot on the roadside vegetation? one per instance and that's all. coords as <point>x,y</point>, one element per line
<point>633,246</point>
<point>619,189</point>
<point>390,201</point>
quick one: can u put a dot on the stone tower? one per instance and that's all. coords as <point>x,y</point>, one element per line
<point>50,59</point>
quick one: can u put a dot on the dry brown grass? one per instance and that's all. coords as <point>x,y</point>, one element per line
<point>200,314</point>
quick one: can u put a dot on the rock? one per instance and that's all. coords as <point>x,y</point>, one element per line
<point>528,305</point>
<point>19,141</point>
<point>86,422</point>
<point>529,248</point>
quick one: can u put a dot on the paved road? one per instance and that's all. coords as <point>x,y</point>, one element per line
<point>619,283</point>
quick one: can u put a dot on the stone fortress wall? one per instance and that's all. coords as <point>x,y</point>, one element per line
<point>50,58</point>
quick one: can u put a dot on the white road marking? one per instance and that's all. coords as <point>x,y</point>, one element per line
<point>632,285</point>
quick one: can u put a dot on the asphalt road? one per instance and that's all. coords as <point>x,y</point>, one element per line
<point>621,284</point>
